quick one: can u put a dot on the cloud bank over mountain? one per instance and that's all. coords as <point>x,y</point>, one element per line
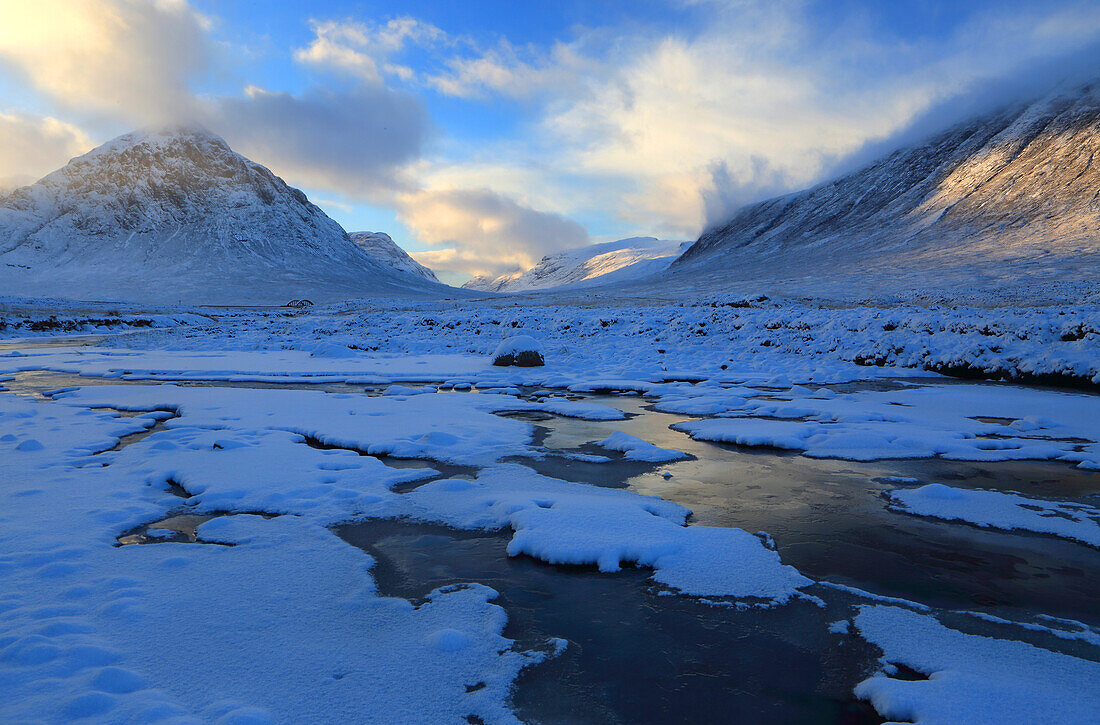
<point>656,123</point>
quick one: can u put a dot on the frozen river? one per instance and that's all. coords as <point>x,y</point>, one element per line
<point>635,654</point>
<point>356,535</point>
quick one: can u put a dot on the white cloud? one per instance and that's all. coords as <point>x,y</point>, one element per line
<point>482,232</point>
<point>116,63</point>
<point>356,142</point>
<point>727,98</point>
<point>503,70</point>
<point>363,49</point>
<point>334,204</point>
<point>32,146</point>
<point>661,128</point>
<point>118,58</point>
<point>673,128</point>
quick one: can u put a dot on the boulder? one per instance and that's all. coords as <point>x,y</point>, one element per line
<point>521,351</point>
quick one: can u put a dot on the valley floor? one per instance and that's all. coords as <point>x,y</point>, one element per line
<point>725,508</point>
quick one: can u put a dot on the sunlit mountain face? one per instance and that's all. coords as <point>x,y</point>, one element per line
<point>482,140</point>
<point>1000,204</point>
<point>178,209</point>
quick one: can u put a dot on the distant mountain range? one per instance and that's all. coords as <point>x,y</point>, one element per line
<point>1002,208</point>
<point>383,249</point>
<point>177,215</point>
<point>623,261</point>
<point>1005,207</point>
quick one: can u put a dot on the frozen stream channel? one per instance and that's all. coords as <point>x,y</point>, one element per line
<point>635,654</point>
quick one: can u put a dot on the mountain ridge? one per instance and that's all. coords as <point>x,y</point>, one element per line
<point>383,249</point>
<point>595,264</point>
<point>1013,195</point>
<point>175,214</point>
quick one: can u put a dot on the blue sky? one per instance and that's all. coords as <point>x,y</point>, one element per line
<point>482,135</point>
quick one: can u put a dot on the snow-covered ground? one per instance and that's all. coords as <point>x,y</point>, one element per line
<point>751,337</point>
<point>269,427</point>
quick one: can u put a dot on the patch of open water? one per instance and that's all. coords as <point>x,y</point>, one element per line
<point>42,343</point>
<point>39,383</point>
<point>633,656</point>
<point>830,520</point>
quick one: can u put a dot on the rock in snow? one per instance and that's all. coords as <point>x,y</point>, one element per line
<point>176,215</point>
<point>383,249</point>
<point>521,351</point>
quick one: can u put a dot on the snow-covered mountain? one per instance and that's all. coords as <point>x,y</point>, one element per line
<point>176,215</point>
<point>1005,207</point>
<point>621,261</point>
<point>383,249</point>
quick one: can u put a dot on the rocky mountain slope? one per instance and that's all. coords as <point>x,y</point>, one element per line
<point>1002,208</point>
<point>621,261</point>
<point>384,250</point>
<point>175,216</point>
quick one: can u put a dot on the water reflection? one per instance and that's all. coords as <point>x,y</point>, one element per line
<point>633,656</point>
<point>830,521</point>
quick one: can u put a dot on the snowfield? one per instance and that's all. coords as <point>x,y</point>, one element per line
<point>167,550</point>
<point>94,631</point>
<point>1055,344</point>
